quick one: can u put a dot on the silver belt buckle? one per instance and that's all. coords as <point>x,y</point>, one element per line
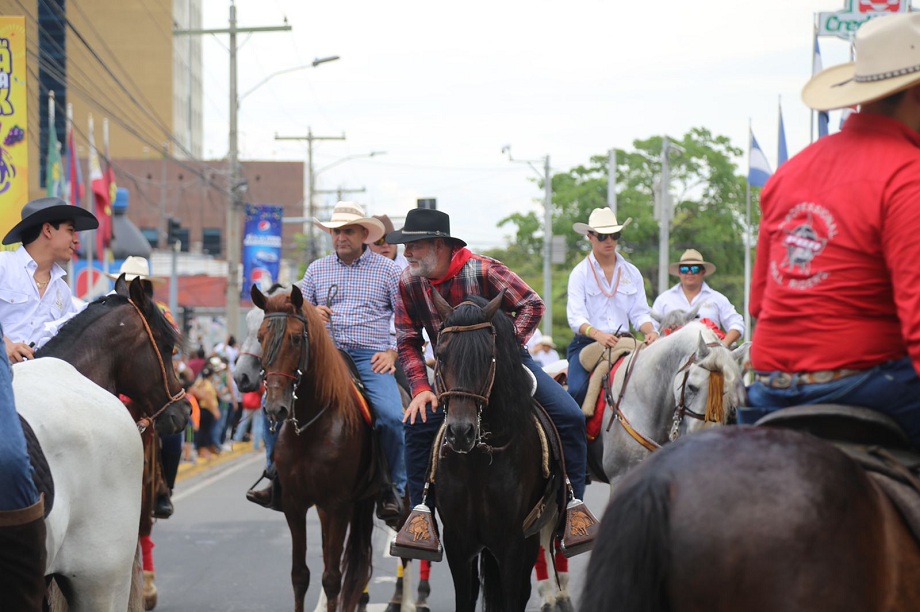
<point>824,376</point>
<point>781,380</point>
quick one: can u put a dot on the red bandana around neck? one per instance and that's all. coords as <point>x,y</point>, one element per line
<point>457,261</point>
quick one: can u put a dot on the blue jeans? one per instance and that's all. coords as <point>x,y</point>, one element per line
<point>562,409</point>
<point>219,432</point>
<point>383,393</point>
<point>578,376</point>
<point>17,491</point>
<point>269,436</point>
<point>892,388</point>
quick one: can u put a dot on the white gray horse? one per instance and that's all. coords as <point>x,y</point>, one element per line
<point>682,383</point>
<point>96,460</point>
<point>248,371</point>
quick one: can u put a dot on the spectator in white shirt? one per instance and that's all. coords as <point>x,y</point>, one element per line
<point>33,292</point>
<point>544,351</point>
<point>692,290</point>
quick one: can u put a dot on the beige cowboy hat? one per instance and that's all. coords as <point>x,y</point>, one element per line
<point>887,61</point>
<point>135,267</point>
<point>689,258</point>
<point>547,340</point>
<point>351,213</point>
<point>601,221</point>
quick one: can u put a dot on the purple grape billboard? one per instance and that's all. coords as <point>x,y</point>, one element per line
<point>261,247</point>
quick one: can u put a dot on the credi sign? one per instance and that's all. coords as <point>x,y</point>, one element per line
<point>844,24</point>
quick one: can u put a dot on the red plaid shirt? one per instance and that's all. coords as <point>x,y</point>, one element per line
<point>479,276</point>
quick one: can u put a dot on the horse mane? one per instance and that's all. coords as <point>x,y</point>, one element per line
<point>69,334</point>
<point>510,401</point>
<point>326,373</point>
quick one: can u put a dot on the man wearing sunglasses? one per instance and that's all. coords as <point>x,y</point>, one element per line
<point>693,291</point>
<point>606,296</point>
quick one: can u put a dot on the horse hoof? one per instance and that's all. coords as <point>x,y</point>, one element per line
<point>150,591</point>
<point>394,607</point>
<point>564,604</point>
<point>422,608</point>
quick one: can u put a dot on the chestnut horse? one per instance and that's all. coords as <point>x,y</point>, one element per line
<point>756,519</point>
<point>324,453</point>
<point>489,473</point>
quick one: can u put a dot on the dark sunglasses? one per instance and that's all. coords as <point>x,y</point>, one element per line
<point>694,269</point>
<point>603,237</point>
<point>380,242</point>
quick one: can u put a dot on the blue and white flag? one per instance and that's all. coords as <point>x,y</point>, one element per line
<point>782,153</point>
<point>758,166</point>
<point>823,116</point>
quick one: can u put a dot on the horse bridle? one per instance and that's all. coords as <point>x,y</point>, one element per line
<point>301,368</point>
<point>144,422</point>
<point>481,398</point>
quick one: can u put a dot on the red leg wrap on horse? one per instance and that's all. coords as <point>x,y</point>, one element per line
<point>562,562</point>
<point>147,553</point>
<point>540,565</point>
<point>424,570</point>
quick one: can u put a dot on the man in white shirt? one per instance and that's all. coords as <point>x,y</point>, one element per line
<point>692,290</point>
<point>606,296</point>
<point>33,292</point>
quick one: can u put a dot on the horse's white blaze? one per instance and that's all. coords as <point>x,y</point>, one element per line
<point>96,458</point>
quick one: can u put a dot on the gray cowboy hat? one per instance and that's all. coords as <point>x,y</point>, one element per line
<point>423,224</point>
<point>45,210</point>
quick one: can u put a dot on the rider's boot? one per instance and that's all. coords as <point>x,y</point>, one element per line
<point>580,530</point>
<point>418,538</point>
<point>390,507</point>
<point>22,558</point>
<point>270,496</point>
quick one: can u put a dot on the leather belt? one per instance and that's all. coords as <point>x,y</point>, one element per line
<point>783,380</point>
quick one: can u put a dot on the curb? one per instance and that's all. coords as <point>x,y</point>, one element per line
<point>239,449</point>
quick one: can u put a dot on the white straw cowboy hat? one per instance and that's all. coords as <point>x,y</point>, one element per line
<point>601,221</point>
<point>887,61</point>
<point>689,258</point>
<point>135,267</point>
<point>351,213</point>
<point>547,340</point>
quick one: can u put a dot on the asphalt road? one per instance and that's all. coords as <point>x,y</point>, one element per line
<point>221,552</point>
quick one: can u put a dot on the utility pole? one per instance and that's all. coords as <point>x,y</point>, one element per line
<point>235,186</point>
<point>612,181</point>
<point>665,212</point>
<point>311,209</point>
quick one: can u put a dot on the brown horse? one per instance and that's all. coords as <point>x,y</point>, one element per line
<point>324,454</point>
<point>755,519</point>
<point>489,473</point>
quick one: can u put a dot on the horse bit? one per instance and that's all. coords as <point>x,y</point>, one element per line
<point>301,368</point>
<point>681,409</point>
<point>482,398</point>
<point>144,422</point>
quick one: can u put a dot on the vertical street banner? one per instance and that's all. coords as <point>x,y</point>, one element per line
<point>14,145</point>
<point>261,247</point>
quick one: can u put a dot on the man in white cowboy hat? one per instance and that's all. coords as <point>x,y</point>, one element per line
<point>33,292</point>
<point>835,287</point>
<point>544,351</point>
<point>441,262</point>
<point>693,291</point>
<point>606,296</point>
<point>355,291</point>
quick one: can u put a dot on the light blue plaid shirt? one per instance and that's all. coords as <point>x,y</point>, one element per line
<point>368,290</point>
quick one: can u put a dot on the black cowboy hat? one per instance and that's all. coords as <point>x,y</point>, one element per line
<point>423,224</point>
<point>44,210</point>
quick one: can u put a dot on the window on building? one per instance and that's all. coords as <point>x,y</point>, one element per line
<point>151,234</point>
<point>210,240</point>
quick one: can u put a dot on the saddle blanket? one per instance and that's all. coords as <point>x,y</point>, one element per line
<point>595,421</point>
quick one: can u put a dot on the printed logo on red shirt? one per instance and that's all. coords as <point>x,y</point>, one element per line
<point>804,234</point>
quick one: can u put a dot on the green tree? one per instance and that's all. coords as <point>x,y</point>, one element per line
<point>709,212</point>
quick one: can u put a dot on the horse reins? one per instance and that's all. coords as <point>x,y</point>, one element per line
<point>680,408</point>
<point>144,422</point>
<point>301,368</point>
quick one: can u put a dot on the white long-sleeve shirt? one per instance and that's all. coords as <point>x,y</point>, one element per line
<point>25,315</point>
<point>713,306</point>
<point>589,304</point>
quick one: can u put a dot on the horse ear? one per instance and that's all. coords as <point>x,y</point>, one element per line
<point>121,286</point>
<point>492,307</point>
<point>656,316</point>
<point>137,293</point>
<point>694,311</point>
<point>258,298</point>
<point>296,297</point>
<point>741,355</point>
<point>444,309</point>
<point>702,350</point>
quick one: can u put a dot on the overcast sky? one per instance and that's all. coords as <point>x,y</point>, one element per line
<point>442,87</point>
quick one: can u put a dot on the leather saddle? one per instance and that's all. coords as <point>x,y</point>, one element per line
<point>870,438</point>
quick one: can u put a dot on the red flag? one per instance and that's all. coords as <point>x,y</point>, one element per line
<point>101,205</point>
<point>74,174</point>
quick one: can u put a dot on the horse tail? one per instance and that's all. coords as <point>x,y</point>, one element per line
<point>631,559</point>
<point>357,565</point>
<point>491,582</point>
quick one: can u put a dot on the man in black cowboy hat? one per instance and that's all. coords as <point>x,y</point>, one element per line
<point>441,262</point>
<point>835,286</point>
<point>34,292</point>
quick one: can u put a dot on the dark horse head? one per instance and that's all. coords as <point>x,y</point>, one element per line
<point>480,379</point>
<point>124,344</point>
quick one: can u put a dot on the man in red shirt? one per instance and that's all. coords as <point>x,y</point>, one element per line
<point>836,287</point>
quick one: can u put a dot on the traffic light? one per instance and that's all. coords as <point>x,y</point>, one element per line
<point>173,226</point>
<point>430,203</point>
